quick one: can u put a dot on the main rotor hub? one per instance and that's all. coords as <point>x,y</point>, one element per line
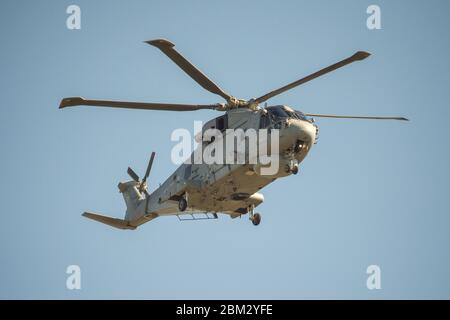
<point>234,103</point>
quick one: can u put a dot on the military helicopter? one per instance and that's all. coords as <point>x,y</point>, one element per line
<point>230,189</point>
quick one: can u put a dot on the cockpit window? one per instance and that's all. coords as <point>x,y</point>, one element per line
<point>300,115</point>
<point>283,112</point>
<point>277,112</point>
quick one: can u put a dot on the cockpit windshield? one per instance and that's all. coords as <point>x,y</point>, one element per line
<point>280,112</point>
<point>300,115</point>
<point>277,112</point>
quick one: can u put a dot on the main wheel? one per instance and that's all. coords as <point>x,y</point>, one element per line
<point>256,219</point>
<point>294,169</point>
<point>182,204</point>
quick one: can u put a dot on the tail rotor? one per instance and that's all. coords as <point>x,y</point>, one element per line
<point>135,177</point>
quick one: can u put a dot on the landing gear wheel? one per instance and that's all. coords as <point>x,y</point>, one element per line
<point>294,169</point>
<point>182,204</point>
<point>256,219</point>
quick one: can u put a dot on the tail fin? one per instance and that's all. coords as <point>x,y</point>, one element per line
<point>133,194</point>
<point>132,197</point>
<point>113,222</point>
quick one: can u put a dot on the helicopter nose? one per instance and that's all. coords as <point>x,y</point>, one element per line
<point>296,131</point>
<point>304,131</point>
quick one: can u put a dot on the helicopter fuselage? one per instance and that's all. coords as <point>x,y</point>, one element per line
<point>233,187</point>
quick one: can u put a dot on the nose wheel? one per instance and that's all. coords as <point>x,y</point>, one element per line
<point>255,218</point>
<point>292,168</point>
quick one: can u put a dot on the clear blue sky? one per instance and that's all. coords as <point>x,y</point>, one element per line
<point>369,192</point>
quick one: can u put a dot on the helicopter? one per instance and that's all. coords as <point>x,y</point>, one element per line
<point>227,188</point>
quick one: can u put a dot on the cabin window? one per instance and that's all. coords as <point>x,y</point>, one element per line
<point>221,123</point>
<point>187,171</point>
<point>264,121</point>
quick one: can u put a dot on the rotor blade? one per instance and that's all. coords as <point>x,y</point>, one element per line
<point>149,167</point>
<point>354,117</point>
<point>133,174</point>
<point>168,49</point>
<point>78,101</point>
<point>360,55</point>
